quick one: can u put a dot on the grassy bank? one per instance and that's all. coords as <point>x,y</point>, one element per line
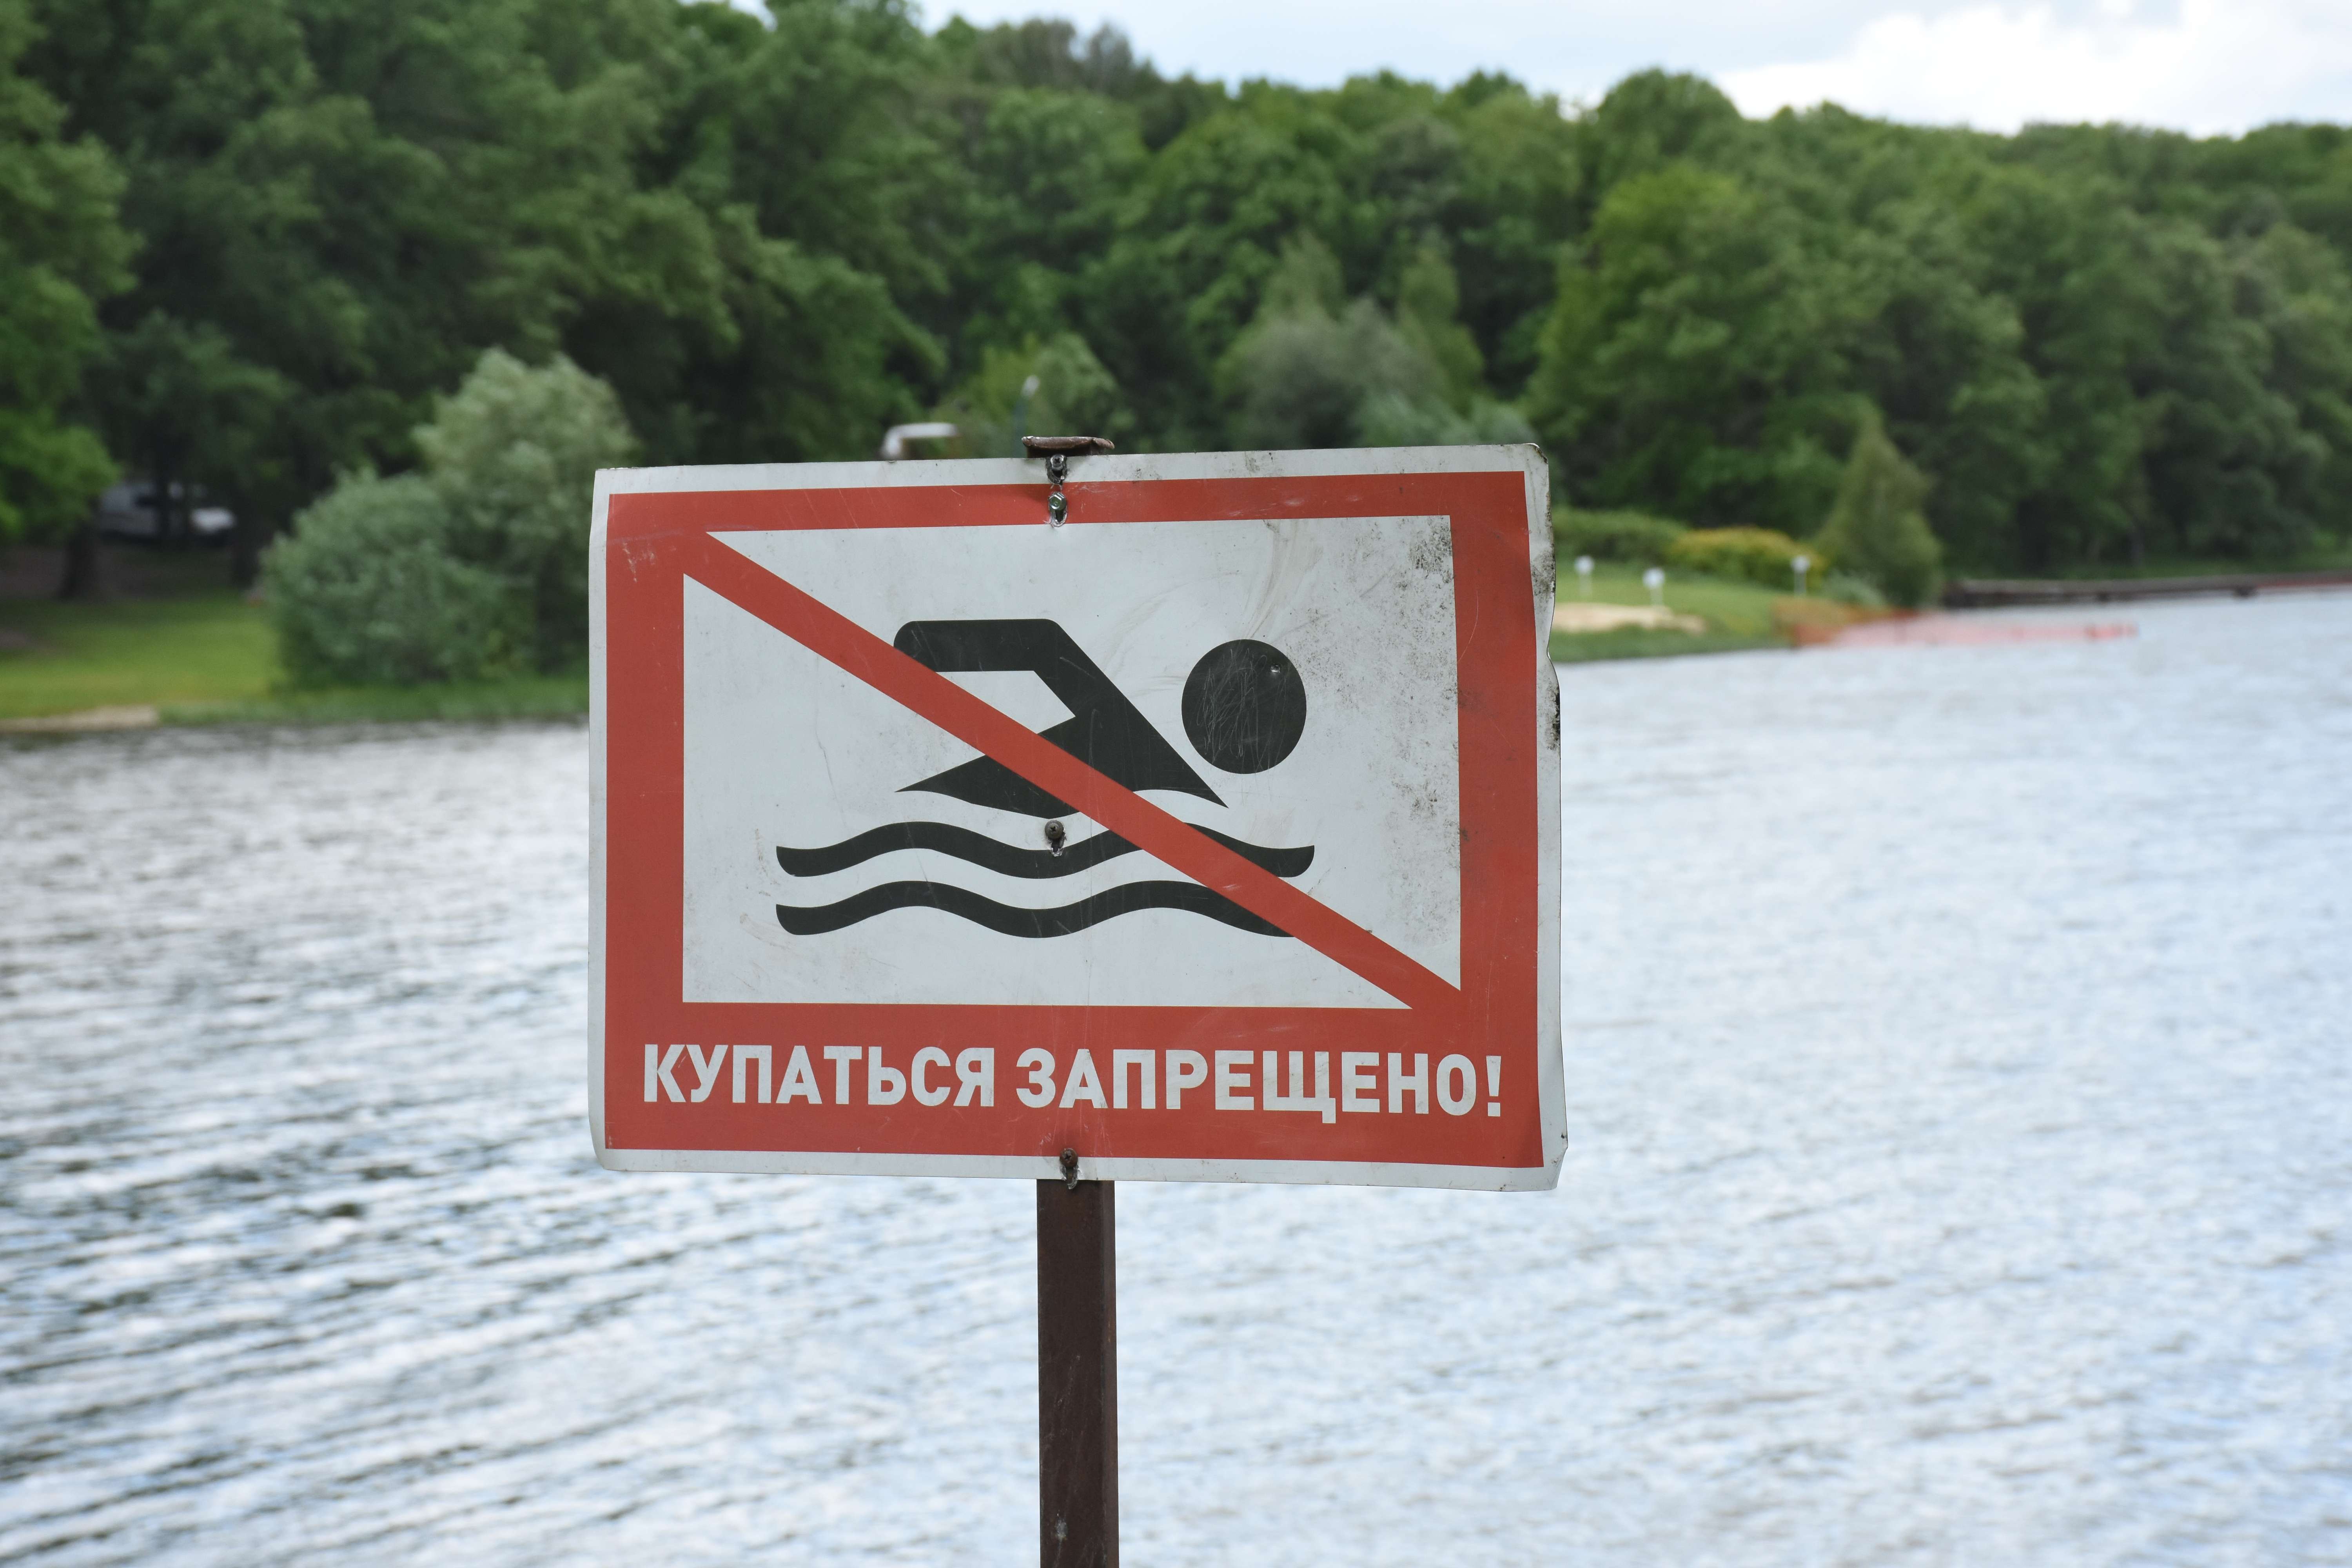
<point>208,658</point>
<point>1739,616</point>
<point>203,655</point>
<point>524,696</point>
<point>201,648</point>
<point>200,654</point>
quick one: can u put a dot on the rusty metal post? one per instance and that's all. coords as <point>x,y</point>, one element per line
<point>1077,1373</point>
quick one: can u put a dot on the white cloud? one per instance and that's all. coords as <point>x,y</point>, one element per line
<point>2207,68</point>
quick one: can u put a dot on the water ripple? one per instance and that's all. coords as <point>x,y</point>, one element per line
<point>1957,1073</point>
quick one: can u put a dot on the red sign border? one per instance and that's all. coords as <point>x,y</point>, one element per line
<point>654,533</point>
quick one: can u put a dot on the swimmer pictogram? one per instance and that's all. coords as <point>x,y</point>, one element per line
<point>1244,710</point>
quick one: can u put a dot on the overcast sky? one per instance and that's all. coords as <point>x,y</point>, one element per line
<point>2194,65</point>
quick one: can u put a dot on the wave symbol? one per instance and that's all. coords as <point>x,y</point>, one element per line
<point>1011,920</point>
<point>994,855</point>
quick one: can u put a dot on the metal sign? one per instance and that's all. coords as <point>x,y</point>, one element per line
<point>1209,834</point>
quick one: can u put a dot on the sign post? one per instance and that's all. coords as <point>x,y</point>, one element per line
<point>1173,818</point>
<point>1078,1373</point>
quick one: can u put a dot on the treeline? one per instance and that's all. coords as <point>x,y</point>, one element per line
<point>246,244</point>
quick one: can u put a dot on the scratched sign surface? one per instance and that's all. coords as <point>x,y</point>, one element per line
<point>1212,834</point>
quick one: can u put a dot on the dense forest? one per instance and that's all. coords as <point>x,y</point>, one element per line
<point>246,244</point>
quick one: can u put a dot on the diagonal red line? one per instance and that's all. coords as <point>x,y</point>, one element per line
<point>832,635</point>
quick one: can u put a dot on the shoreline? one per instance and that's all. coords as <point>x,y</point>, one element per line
<point>549,697</point>
<point>200,656</point>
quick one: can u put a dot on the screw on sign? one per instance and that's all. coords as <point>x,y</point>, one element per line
<point>1178,818</point>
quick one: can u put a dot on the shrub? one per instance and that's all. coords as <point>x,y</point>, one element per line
<point>1392,419</point>
<point>514,456</point>
<point>366,591</point>
<point>1758,555</point>
<point>1301,379</point>
<point>1845,588</point>
<point>1313,369</point>
<point>1876,531</point>
<point>1630,536</point>
<point>476,566</point>
<point>1073,395</point>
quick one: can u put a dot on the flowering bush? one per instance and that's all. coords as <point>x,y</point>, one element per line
<point>1758,555</point>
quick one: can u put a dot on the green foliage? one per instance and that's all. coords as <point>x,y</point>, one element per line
<point>1314,372</point>
<point>477,567</point>
<point>1301,379</point>
<point>1876,531</point>
<point>1845,588</point>
<point>338,215</point>
<point>1428,299</point>
<point>513,456</point>
<point>1380,172</point>
<point>1758,555</point>
<point>1199,241</point>
<point>1045,53</point>
<point>1689,362</point>
<point>2085,348</point>
<point>1506,201</point>
<point>1625,536</point>
<point>1390,419</point>
<point>367,591</point>
<point>60,251</point>
<point>1652,119</point>
<point>775,236</point>
<point>508,698</point>
<point>1055,387</point>
<point>183,403</point>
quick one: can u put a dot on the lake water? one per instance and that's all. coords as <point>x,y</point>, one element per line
<point>1959,1065</point>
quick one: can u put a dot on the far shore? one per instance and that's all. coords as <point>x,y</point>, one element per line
<point>174,644</point>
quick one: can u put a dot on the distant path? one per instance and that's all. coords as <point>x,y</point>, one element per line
<point>1982,592</point>
<point>122,716</point>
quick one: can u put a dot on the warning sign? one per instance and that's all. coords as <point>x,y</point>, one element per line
<point>1211,832</point>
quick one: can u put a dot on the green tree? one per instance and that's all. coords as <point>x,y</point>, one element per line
<point>476,566</point>
<point>1691,364</point>
<point>1650,119</point>
<point>1312,371</point>
<point>2063,253</point>
<point>1049,169</point>
<point>775,236</point>
<point>1053,387</point>
<point>514,457</point>
<point>1944,358</point>
<point>339,211</point>
<point>1877,530</point>
<point>1042,52</point>
<point>367,592</point>
<point>1198,240</point>
<point>2298,289</point>
<point>1428,301</point>
<point>61,249</point>
<point>190,410</point>
<point>839,216</point>
<point>1516,200</point>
